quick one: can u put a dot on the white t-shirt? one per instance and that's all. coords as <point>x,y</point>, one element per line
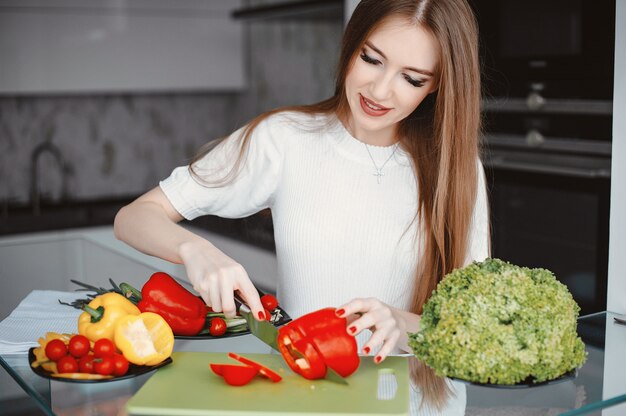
<point>339,233</point>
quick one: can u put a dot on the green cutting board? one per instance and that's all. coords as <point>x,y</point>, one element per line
<point>188,387</point>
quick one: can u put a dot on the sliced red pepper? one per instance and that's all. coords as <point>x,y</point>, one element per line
<point>316,341</point>
<point>181,309</point>
<point>309,361</point>
<point>339,349</point>
<point>233,374</point>
<point>264,371</point>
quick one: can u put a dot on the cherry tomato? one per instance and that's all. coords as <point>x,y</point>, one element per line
<point>67,364</point>
<point>264,371</point>
<point>269,302</point>
<point>120,365</point>
<point>217,327</point>
<point>103,347</point>
<point>104,365</point>
<point>79,346</point>
<point>56,349</point>
<point>235,375</point>
<point>85,363</point>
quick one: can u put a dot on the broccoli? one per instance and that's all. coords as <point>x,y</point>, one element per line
<point>494,322</point>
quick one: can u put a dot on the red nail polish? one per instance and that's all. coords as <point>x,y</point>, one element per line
<point>378,359</point>
<point>366,350</point>
<point>261,316</point>
<point>340,312</point>
<point>352,329</point>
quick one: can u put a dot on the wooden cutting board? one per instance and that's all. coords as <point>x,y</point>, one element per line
<point>188,387</point>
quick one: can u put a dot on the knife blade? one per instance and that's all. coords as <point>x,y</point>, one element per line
<point>268,334</point>
<point>263,330</point>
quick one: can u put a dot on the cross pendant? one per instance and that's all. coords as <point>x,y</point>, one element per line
<point>378,175</point>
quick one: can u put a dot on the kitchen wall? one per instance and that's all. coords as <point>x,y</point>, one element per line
<point>119,145</point>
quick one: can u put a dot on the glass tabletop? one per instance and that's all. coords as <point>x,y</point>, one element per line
<point>599,384</point>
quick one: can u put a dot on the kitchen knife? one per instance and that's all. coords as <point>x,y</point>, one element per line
<point>268,333</point>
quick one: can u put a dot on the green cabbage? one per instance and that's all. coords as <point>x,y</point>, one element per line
<point>494,322</point>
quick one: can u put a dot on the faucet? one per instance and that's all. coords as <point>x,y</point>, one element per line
<point>64,167</point>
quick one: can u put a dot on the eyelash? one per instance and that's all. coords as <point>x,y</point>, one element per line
<point>414,82</point>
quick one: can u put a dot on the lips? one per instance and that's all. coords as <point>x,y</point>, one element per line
<point>371,108</point>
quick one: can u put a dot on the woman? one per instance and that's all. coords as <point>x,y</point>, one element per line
<point>376,193</point>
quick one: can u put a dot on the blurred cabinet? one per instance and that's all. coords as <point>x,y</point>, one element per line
<point>74,46</point>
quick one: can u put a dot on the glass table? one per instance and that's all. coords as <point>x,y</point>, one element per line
<point>599,384</point>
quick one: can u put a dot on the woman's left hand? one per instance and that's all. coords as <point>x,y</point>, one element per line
<point>386,323</point>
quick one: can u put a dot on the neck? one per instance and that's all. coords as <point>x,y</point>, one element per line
<point>384,138</point>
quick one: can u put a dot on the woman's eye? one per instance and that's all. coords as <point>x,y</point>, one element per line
<point>414,82</point>
<point>369,59</point>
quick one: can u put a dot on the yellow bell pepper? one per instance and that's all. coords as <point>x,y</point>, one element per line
<point>101,315</point>
<point>144,339</point>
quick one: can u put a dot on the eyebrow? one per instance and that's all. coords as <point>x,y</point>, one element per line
<point>410,68</point>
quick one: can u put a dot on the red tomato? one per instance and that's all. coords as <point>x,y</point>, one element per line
<point>120,365</point>
<point>235,375</point>
<point>85,364</point>
<point>104,365</point>
<point>104,347</point>
<point>79,346</point>
<point>262,369</point>
<point>67,364</point>
<point>269,302</point>
<point>217,327</point>
<point>56,349</point>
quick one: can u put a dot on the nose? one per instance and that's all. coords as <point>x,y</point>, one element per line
<point>381,86</point>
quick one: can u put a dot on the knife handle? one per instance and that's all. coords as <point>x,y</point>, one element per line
<point>243,307</point>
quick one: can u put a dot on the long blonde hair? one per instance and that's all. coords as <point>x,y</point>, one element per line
<point>441,137</point>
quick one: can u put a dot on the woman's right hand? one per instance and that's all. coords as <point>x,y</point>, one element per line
<point>216,277</point>
<point>149,224</point>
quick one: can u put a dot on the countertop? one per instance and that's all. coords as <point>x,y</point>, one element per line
<point>603,377</point>
<point>600,382</point>
<point>256,230</point>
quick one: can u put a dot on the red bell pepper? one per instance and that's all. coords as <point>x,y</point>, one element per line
<point>235,375</point>
<point>182,310</point>
<point>317,341</point>
<point>264,371</point>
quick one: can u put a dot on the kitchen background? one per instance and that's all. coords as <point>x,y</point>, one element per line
<point>115,143</point>
<point>83,153</point>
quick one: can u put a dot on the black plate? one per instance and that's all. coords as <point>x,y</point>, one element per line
<point>284,318</point>
<point>133,371</point>
<point>526,384</point>
<point>280,322</point>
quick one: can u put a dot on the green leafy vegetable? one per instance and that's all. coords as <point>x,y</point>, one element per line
<point>494,322</point>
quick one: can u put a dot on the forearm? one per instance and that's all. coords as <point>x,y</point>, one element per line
<point>145,226</point>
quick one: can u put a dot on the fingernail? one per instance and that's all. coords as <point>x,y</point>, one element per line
<point>352,329</point>
<point>261,316</point>
<point>340,312</point>
<point>378,359</point>
<point>366,350</point>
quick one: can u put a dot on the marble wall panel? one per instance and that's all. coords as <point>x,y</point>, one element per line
<point>122,145</point>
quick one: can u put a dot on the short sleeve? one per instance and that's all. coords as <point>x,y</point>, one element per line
<point>250,191</point>
<point>479,245</point>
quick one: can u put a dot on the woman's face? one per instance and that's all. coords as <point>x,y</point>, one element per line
<point>389,78</point>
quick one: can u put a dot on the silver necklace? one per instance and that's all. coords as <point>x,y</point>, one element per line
<point>379,170</point>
